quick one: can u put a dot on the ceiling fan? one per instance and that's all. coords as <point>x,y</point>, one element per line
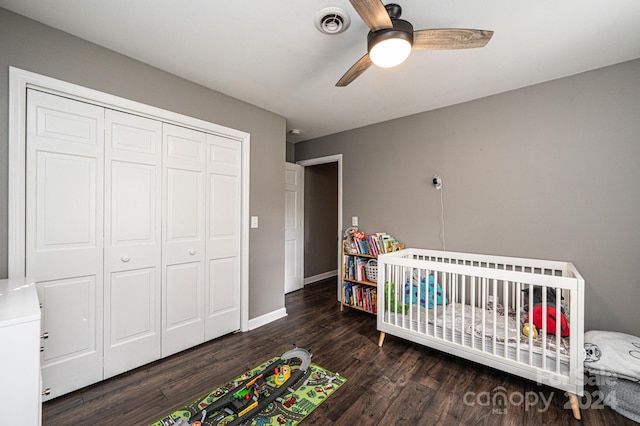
<point>391,39</point>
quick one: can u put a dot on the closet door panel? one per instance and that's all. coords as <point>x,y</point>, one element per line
<point>223,310</point>
<point>72,355</point>
<point>183,252</point>
<point>223,236</point>
<point>132,241</point>
<point>133,328</point>
<point>182,290</point>
<point>74,329</point>
<point>184,213</point>
<point>134,197</point>
<point>224,215</point>
<point>132,319</point>
<point>64,239</point>
<point>64,124</point>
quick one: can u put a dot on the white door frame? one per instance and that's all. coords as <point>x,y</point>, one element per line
<point>20,80</point>
<point>337,158</point>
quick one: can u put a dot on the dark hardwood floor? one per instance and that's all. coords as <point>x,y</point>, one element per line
<point>399,384</point>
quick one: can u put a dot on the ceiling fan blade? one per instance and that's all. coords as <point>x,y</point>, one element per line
<point>452,38</point>
<point>355,71</point>
<point>372,13</point>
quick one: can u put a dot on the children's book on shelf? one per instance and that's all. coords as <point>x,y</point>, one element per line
<point>361,296</point>
<point>375,244</point>
<point>354,268</point>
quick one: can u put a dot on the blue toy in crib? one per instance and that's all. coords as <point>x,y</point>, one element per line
<point>411,293</point>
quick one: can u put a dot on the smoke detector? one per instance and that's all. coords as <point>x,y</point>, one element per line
<point>332,20</point>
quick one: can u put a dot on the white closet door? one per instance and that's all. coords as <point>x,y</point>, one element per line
<point>183,252</point>
<point>64,243</point>
<point>293,232</point>
<point>133,176</point>
<point>223,236</point>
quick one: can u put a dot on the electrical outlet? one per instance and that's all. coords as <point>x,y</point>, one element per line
<point>354,221</point>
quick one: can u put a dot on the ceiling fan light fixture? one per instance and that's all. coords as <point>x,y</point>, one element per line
<point>391,46</point>
<point>390,52</point>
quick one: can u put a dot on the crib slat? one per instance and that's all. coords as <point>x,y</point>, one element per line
<point>505,297</point>
<point>411,284</point>
<point>518,297</point>
<point>558,293</point>
<point>401,298</point>
<point>473,311</point>
<point>530,315</point>
<point>435,305</point>
<point>420,296</point>
<point>545,325</point>
<point>434,311</point>
<point>453,293</point>
<point>463,301</point>
<point>484,313</point>
<point>399,295</point>
<point>495,315</point>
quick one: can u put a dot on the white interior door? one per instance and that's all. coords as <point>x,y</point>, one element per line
<point>293,250</point>
<point>64,246</point>
<point>224,174</point>
<point>132,258</point>
<point>183,252</point>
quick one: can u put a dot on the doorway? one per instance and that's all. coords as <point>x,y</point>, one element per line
<point>322,210</point>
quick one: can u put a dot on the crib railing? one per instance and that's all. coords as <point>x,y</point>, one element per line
<point>476,306</point>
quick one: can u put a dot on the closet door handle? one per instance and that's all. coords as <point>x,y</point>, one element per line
<point>192,252</point>
<point>125,258</point>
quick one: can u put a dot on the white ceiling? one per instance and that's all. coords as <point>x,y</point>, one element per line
<point>270,54</point>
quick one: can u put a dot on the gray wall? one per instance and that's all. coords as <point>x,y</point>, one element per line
<point>549,171</point>
<point>290,153</point>
<point>34,47</point>
<point>320,218</point>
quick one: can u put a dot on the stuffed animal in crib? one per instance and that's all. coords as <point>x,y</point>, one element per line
<point>550,324</point>
<point>393,304</point>
<point>411,293</point>
<point>535,316</point>
<point>530,329</point>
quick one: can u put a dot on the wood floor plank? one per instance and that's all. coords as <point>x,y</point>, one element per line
<point>400,383</point>
<point>411,406</point>
<point>364,408</point>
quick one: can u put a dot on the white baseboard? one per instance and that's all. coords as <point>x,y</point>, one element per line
<point>267,318</point>
<point>320,277</point>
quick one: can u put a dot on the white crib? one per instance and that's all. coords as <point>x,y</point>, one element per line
<point>481,311</point>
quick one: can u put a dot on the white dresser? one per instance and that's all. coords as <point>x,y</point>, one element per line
<point>20,393</point>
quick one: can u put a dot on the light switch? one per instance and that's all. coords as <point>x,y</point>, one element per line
<point>354,221</point>
<point>254,221</point>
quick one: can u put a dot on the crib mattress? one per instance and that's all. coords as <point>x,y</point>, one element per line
<point>470,336</point>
